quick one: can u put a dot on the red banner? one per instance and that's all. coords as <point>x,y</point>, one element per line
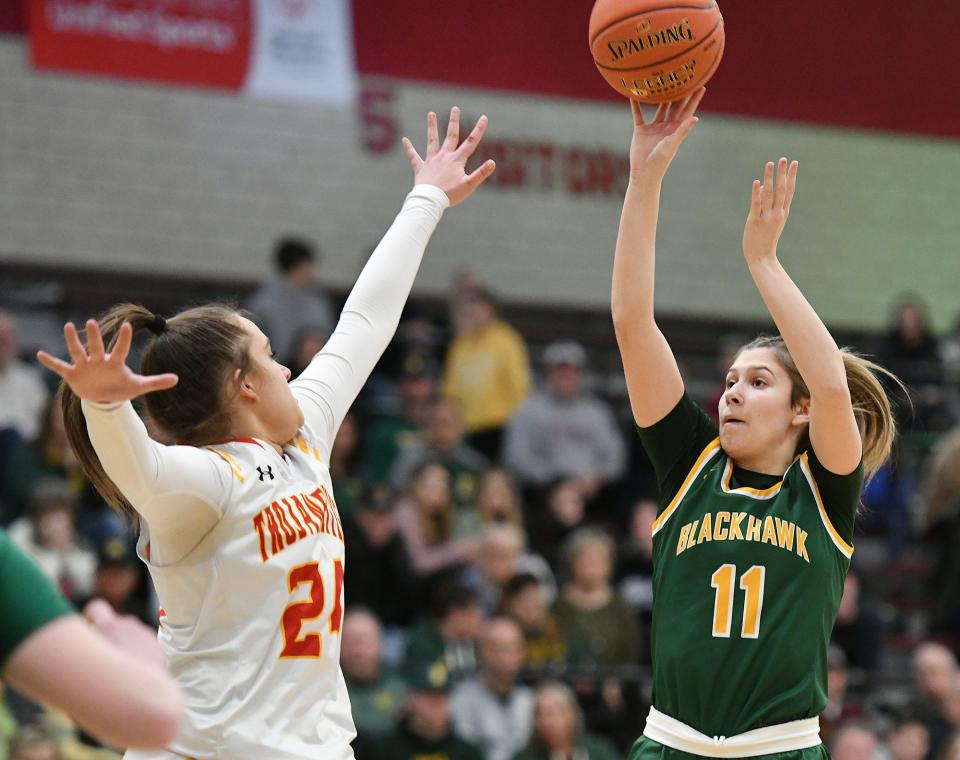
<point>197,42</point>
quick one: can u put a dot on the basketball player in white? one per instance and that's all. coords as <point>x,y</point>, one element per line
<point>238,525</point>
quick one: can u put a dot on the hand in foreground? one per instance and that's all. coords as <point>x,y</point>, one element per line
<point>101,376</point>
<point>769,209</point>
<point>654,144</point>
<point>126,633</point>
<point>445,164</point>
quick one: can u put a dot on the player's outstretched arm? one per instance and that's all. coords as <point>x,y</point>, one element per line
<point>654,383</point>
<point>834,434</point>
<point>331,382</point>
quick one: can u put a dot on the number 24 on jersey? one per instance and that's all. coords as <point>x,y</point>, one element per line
<point>295,643</point>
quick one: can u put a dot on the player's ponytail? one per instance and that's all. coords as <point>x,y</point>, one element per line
<point>871,405</point>
<point>203,346</point>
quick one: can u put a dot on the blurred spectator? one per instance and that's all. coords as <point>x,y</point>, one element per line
<point>376,695</point>
<point>293,301</point>
<point>69,740</point>
<point>50,455</point>
<point>565,432</point>
<point>395,433</point>
<point>442,441</point>
<point>559,732</point>
<point>375,551</point>
<point>525,601</point>
<point>855,741</point>
<point>8,723</point>
<point>551,524</point>
<point>426,519</point>
<point>910,351</point>
<point>48,537</point>
<point>119,577</point>
<point>839,709</point>
<point>426,730</point>
<point>487,372</point>
<point>306,344</point>
<point>497,499</point>
<point>951,703</point>
<point>949,351</point>
<point>346,465</point>
<point>501,557</point>
<point>34,742</point>
<point>492,709</point>
<point>909,739</point>
<point>23,396</point>
<point>886,505</point>
<point>941,534</point>
<point>935,673</point>
<point>635,565</point>
<point>951,749</point>
<point>589,612</point>
<point>448,635</point>
<point>727,350</point>
<point>858,629</point>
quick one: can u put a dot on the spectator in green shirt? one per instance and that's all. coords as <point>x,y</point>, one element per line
<point>426,730</point>
<point>448,635</point>
<point>558,729</point>
<point>376,695</point>
<point>395,433</point>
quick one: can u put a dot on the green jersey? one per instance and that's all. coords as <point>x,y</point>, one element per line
<point>748,575</point>
<point>28,601</point>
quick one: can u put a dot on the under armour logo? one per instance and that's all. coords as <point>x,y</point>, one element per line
<point>269,472</point>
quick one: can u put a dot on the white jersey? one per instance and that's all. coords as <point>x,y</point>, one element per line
<point>245,545</point>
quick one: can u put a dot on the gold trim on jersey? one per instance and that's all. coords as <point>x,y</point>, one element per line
<point>705,456</point>
<point>234,465</point>
<point>845,548</point>
<point>754,493</point>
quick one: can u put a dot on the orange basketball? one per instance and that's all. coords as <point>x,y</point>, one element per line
<point>655,51</point>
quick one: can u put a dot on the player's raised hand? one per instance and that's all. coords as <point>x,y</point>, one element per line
<point>656,142</point>
<point>769,209</point>
<point>99,375</point>
<point>444,165</point>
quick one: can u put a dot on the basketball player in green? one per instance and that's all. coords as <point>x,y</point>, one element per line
<point>754,530</point>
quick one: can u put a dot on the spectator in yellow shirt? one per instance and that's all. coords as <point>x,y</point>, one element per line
<point>487,372</point>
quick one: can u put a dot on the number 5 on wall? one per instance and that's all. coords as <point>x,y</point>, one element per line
<point>752,583</point>
<point>298,613</point>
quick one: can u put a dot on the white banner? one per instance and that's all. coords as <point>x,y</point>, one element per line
<point>302,50</point>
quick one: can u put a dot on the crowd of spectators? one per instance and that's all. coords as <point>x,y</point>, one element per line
<point>497,519</point>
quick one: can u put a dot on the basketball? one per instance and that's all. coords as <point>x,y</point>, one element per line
<point>656,51</point>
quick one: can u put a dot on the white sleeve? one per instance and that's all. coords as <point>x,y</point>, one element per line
<point>331,382</point>
<point>179,490</point>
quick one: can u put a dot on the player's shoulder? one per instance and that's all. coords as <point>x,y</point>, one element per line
<point>239,455</point>
<point>305,443</point>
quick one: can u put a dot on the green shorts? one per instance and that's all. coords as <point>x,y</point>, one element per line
<point>645,748</point>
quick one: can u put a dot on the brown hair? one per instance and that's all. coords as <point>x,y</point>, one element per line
<point>871,406</point>
<point>436,527</point>
<point>203,345</point>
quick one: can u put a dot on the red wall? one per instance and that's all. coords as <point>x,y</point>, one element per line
<point>876,64</point>
<point>866,63</point>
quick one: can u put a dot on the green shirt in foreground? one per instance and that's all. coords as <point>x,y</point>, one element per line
<point>28,600</point>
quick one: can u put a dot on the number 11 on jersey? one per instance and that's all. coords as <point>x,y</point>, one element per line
<point>751,582</point>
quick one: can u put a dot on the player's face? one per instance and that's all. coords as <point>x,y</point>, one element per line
<point>277,407</point>
<point>755,411</point>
